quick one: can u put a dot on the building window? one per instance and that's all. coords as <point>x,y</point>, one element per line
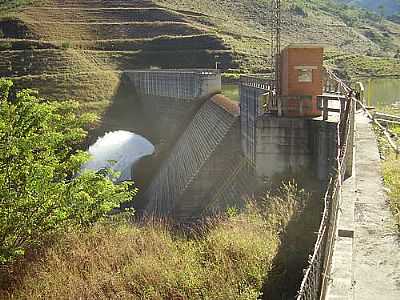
<point>305,75</point>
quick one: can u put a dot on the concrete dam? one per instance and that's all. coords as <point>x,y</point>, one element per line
<point>197,166</point>
<point>212,153</point>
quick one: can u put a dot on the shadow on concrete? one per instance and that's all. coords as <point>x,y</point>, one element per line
<point>127,112</point>
<point>161,120</point>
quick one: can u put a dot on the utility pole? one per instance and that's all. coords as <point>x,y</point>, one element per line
<point>276,50</point>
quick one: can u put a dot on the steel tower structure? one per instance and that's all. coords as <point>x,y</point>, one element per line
<point>276,48</point>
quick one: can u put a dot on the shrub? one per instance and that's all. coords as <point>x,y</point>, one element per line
<point>5,46</point>
<point>65,45</point>
<point>40,192</point>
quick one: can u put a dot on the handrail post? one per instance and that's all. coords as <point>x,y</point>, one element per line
<point>325,104</point>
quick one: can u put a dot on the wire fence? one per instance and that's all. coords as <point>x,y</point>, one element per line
<point>316,277</point>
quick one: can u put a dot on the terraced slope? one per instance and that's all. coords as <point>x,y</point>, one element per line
<point>78,48</point>
<point>57,41</point>
<point>244,25</point>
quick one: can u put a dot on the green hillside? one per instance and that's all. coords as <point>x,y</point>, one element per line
<point>76,49</point>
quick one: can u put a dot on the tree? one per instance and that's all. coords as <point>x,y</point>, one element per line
<point>41,190</point>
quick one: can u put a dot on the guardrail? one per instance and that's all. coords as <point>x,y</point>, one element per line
<point>179,84</point>
<point>316,277</point>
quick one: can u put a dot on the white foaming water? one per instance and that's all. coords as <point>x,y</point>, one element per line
<point>118,150</point>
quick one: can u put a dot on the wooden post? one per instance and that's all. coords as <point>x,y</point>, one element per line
<point>325,104</point>
<point>342,107</point>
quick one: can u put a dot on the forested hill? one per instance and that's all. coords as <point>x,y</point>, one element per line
<point>387,7</point>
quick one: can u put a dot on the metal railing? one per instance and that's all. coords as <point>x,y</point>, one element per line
<point>179,84</point>
<point>316,277</point>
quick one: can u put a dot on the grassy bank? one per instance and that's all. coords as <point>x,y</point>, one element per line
<point>391,175</point>
<point>229,258</point>
<point>353,66</point>
<point>391,166</point>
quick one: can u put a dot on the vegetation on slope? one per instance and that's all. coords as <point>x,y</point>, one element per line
<point>391,176</point>
<point>6,5</point>
<point>10,6</point>
<point>353,66</point>
<point>229,258</point>
<point>40,192</point>
<point>391,166</point>
<point>72,52</point>
<point>382,7</point>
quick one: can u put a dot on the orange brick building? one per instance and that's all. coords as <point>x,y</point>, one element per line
<point>301,79</point>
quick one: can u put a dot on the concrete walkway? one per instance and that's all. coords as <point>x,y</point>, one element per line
<point>366,259</point>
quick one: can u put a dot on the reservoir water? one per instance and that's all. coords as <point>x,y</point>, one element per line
<point>231,91</point>
<point>119,151</point>
<point>382,91</point>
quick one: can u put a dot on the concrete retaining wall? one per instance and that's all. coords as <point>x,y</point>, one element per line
<point>282,146</point>
<point>294,145</point>
<point>249,112</point>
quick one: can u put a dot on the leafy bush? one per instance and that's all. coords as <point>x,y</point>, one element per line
<point>5,46</point>
<point>65,45</point>
<point>40,192</point>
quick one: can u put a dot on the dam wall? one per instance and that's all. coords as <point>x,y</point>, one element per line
<point>200,161</point>
<point>294,146</point>
<point>279,146</point>
<point>166,100</point>
<point>251,91</point>
<point>221,181</point>
<point>159,105</point>
<point>177,84</point>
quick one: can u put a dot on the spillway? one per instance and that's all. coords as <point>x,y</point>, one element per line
<point>119,151</point>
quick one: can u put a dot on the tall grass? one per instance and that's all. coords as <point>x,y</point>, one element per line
<point>391,165</point>
<point>391,175</point>
<point>228,259</point>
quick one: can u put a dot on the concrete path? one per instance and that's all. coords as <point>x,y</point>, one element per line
<point>366,260</point>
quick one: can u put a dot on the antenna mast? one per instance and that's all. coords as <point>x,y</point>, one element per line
<point>276,47</point>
